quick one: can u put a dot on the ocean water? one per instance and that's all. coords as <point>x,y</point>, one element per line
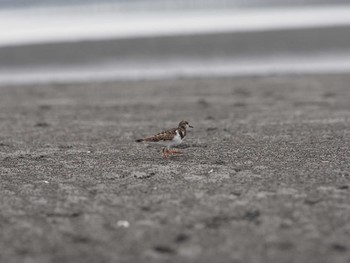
<point>162,4</point>
<point>20,27</point>
<point>43,23</point>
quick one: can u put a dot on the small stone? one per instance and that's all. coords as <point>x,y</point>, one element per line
<point>123,223</point>
<point>312,200</point>
<point>182,238</point>
<point>141,175</point>
<point>164,249</point>
<point>339,247</point>
<point>219,162</point>
<point>42,124</point>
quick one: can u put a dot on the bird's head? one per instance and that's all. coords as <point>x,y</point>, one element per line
<point>185,125</point>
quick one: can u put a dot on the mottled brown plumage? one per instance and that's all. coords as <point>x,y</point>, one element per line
<point>162,136</point>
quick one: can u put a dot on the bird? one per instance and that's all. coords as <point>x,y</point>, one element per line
<point>169,138</point>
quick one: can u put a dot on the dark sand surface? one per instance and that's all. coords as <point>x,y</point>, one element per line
<point>264,177</point>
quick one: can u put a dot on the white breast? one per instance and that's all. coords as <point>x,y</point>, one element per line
<point>177,139</point>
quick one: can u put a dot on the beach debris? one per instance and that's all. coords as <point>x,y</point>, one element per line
<point>164,249</point>
<point>312,199</point>
<point>212,170</point>
<point>219,162</point>
<point>339,247</point>
<point>182,237</point>
<point>42,124</point>
<point>343,187</point>
<point>123,223</point>
<point>141,175</point>
<point>46,182</point>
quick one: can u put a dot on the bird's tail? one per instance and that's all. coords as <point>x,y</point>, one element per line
<point>139,140</point>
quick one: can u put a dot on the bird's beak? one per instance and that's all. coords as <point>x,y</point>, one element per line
<point>190,126</point>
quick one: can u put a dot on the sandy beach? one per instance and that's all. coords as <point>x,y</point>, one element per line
<point>264,175</point>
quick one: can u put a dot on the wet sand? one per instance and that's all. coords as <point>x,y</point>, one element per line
<point>203,47</point>
<point>264,175</point>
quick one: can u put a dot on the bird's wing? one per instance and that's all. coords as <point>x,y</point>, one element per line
<point>162,136</point>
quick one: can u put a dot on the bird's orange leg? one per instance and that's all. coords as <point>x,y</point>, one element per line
<point>165,152</point>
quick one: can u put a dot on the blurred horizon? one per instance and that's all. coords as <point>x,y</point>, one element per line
<point>117,39</point>
<point>149,4</point>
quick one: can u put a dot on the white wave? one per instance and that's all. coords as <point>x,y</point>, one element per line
<point>27,27</point>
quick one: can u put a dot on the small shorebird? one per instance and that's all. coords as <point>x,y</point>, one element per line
<point>169,138</point>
